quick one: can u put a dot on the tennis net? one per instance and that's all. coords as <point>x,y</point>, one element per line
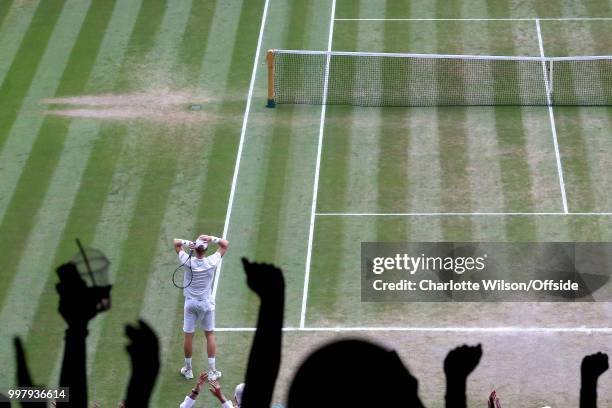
<point>383,79</point>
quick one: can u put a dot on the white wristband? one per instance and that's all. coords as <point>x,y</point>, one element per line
<point>215,240</point>
<point>185,242</point>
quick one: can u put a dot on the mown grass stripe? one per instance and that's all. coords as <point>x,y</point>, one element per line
<point>453,143</point>
<point>23,206</point>
<point>275,184</point>
<point>424,160</point>
<point>85,50</point>
<point>393,183</point>
<point>27,125</point>
<point>483,152</point>
<point>5,6</point>
<point>13,30</point>
<point>195,40</point>
<point>142,40</point>
<point>17,81</point>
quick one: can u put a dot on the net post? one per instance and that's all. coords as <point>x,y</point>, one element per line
<point>270,61</point>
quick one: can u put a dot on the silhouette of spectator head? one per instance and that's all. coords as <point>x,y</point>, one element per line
<point>332,374</point>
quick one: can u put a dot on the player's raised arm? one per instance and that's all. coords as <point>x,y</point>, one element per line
<point>179,243</point>
<point>222,243</point>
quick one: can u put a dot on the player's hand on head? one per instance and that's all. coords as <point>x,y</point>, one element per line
<point>594,365</point>
<point>461,361</point>
<point>79,303</point>
<point>263,279</point>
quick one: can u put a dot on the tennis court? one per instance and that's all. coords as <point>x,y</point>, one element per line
<point>299,185</point>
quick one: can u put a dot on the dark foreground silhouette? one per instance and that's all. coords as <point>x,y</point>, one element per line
<point>349,372</point>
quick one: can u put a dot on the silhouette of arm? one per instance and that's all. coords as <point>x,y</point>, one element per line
<point>590,370</point>
<point>458,365</point>
<point>144,353</point>
<point>23,374</point>
<point>78,305</point>
<point>264,361</point>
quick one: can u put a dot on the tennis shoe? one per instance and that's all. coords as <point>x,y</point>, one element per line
<point>214,375</point>
<point>187,373</point>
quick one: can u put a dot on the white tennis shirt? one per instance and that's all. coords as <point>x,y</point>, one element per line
<point>203,272</point>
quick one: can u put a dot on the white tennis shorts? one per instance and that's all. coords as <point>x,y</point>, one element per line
<point>198,312</point>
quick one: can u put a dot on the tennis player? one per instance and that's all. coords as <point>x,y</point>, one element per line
<point>199,307</point>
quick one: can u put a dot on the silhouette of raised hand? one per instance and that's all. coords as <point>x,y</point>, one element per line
<point>144,353</point>
<point>264,279</point>
<point>594,365</point>
<point>591,368</point>
<point>264,360</point>
<point>458,365</point>
<point>461,361</point>
<point>79,303</point>
<point>23,373</point>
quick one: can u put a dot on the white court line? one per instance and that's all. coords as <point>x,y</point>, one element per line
<point>481,19</point>
<point>241,143</point>
<point>551,116</point>
<point>460,214</point>
<point>315,191</point>
<point>501,329</point>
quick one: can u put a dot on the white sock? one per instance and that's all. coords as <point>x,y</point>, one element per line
<point>188,363</point>
<point>211,364</point>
